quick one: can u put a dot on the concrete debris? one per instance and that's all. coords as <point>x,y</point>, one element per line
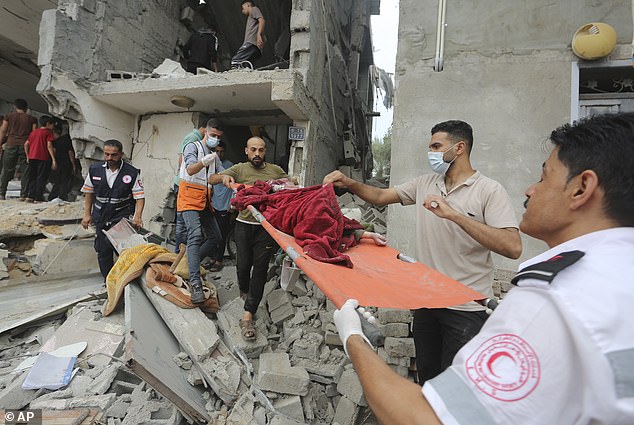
<point>158,364</point>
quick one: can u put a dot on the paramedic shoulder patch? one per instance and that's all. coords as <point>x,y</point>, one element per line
<point>547,270</point>
<point>505,367</point>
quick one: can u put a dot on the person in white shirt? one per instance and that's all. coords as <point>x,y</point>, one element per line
<point>559,349</point>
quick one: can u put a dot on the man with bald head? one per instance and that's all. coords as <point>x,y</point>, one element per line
<point>255,246</point>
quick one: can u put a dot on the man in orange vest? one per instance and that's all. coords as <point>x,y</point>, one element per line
<point>194,202</point>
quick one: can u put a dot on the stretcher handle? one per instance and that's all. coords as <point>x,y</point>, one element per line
<point>372,332</point>
<point>490,303</point>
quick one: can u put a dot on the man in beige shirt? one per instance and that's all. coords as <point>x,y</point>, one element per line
<point>461,216</point>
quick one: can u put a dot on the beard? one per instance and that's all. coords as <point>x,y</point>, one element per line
<point>257,161</point>
<point>114,164</point>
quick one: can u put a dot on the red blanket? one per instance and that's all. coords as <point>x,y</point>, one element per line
<point>312,215</point>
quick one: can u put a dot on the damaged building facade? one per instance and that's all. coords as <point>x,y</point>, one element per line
<point>99,70</point>
<point>509,70</point>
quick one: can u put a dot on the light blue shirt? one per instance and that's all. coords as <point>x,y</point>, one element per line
<point>222,194</point>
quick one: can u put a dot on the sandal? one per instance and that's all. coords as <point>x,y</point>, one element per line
<point>248,329</point>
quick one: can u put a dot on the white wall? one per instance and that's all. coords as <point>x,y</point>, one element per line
<point>507,72</point>
<point>155,152</point>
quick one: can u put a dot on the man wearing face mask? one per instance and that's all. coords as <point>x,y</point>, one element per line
<point>194,202</point>
<point>462,216</point>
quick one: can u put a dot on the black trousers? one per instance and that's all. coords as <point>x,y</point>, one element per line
<point>105,250</point>
<point>246,52</point>
<point>223,218</point>
<point>439,333</point>
<point>255,248</point>
<point>62,180</point>
<point>38,177</point>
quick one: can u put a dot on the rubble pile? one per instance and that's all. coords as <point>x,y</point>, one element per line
<point>152,362</point>
<point>34,234</point>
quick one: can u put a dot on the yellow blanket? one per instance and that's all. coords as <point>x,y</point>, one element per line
<point>128,267</point>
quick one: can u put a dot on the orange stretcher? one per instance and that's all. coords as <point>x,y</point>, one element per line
<point>381,276</point>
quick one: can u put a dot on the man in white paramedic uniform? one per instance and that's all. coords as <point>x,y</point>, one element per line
<point>560,348</point>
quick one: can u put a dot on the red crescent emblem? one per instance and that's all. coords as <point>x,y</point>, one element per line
<point>504,367</point>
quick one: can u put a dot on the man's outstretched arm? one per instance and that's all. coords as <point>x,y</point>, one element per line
<point>392,398</point>
<point>371,194</point>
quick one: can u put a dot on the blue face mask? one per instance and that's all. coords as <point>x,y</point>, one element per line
<point>212,142</point>
<point>437,161</point>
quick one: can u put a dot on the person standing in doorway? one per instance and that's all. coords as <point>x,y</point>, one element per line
<point>16,127</point>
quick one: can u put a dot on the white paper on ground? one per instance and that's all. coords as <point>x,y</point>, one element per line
<point>50,372</point>
<point>72,350</point>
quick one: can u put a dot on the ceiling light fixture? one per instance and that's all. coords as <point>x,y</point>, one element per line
<point>182,101</point>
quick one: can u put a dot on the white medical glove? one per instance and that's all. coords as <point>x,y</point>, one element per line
<point>208,159</point>
<point>348,322</point>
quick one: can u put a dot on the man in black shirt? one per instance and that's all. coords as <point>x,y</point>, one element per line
<point>66,165</point>
<point>201,51</point>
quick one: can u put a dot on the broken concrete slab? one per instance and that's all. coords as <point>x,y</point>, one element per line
<point>400,347</point>
<point>67,231</point>
<point>194,331</point>
<point>393,315</point>
<point>276,374</point>
<point>149,347</point>
<point>156,412</point>
<point>350,387</point>
<point>99,401</point>
<point>103,336</point>
<point>14,397</point>
<point>290,406</point>
<point>346,412</point>
<point>199,338</point>
<point>308,346</point>
<point>242,412</point>
<point>47,296</point>
<point>229,316</point>
<point>227,285</point>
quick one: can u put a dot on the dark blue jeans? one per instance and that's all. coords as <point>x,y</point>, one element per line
<point>203,235</point>
<point>439,333</point>
<point>255,248</point>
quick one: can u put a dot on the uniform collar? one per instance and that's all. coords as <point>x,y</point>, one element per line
<point>584,243</point>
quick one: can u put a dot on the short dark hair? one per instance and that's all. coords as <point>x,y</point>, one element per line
<point>221,144</point>
<point>214,123</point>
<point>21,104</point>
<point>113,142</point>
<point>247,1</point>
<point>457,131</point>
<point>45,119</point>
<point>605,145</point>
